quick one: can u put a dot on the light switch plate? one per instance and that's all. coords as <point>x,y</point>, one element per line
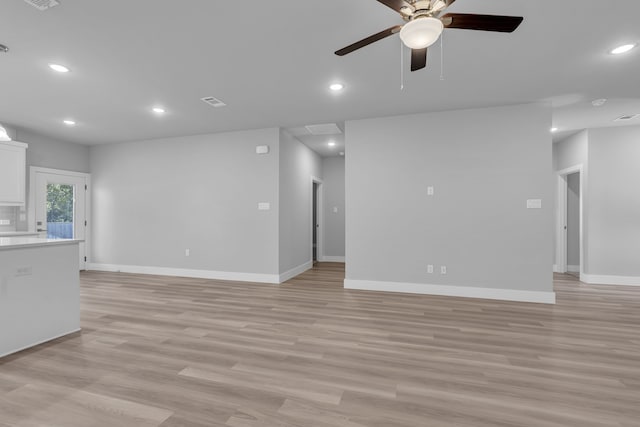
<point>5,222</point>
<point>264,206</point>
<point>430,191</point>
<point>262,149</point>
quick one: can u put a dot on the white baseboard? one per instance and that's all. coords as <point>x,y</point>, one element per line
<point>599,279</point>
<point>573,268</point>
<point>295,271</point>
<point>183,272</point>
<point>453,291</point>
<point>556,269</point>
<point>327,258</point>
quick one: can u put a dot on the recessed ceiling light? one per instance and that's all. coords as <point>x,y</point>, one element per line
<point>59,68</point>
<point>332,144</point>
<point>159,110</point>
<point>69,122</point>
<point>554,129</point>
<point>336,87</point>
<point>623,49</point>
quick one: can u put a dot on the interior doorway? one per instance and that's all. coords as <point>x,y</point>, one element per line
<point>316,220</point>
<point>58,206</point>
<point>573,224</point>
<point>569,222</point>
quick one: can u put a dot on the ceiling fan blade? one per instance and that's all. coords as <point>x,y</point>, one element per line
<point>395,4</point>
<point>418,59</point>
<point>468,21</point>
<point>371,39</point>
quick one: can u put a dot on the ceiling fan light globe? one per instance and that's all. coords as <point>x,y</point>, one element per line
<point>421,32</point>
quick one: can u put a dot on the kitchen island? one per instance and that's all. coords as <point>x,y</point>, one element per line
<point>39,291</point>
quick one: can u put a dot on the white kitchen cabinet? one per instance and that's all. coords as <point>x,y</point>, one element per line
<point>13,160</point>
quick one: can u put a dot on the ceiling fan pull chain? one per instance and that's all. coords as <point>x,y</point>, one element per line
<point>442,56</point>
<point>401,65</point>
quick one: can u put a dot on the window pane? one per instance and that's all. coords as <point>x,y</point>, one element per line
<point>60,211</point>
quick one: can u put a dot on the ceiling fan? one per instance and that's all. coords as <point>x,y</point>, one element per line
<point>425,24</point>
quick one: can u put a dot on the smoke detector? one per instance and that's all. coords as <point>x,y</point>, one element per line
<point>42,4</point>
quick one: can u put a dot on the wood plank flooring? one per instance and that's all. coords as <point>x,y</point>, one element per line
<point>169,352</point>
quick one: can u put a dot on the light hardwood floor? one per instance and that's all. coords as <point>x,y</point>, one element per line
<point>161,351</point>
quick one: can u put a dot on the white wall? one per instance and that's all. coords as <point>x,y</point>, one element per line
<point>614,204</point>
<point>55,154</point>
<point>333,194</point>
<point>484,165</point>
<point>573,221</point>
<point>154,199</point>
<point>298,164</point>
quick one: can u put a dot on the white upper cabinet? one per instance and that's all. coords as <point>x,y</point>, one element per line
<point>13,161</point>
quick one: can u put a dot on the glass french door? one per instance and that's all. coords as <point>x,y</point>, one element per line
<point>60,207</point>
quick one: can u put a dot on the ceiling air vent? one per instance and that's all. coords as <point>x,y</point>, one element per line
<point>627,117</point>
<point>42,4</point>
<point>326,129</point>
<point>214,102</point>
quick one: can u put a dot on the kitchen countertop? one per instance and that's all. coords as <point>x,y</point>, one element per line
<point>31,242</point>
<point>17,233</point>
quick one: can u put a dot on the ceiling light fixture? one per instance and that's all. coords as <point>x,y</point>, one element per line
<point>159,110</point>
<point>554,129</point>
<point>332,144</point>
<point>336,87</point>
<point>59,68</point>
<point>4,136</point>
<point>422,32</point>
<point>623,49</point>
<point>3,48</point>
<point>69,122</point>
<point>599,102</point>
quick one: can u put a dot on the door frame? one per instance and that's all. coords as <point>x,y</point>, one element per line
<point>319,217</point>
<point>31,218</point>
<point>561,219</point>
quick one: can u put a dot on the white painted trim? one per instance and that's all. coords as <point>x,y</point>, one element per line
<point>556,269</point>
<point>327,258</point>
<point>40,342</point>
<point>453,291</point>
<point>31,212</point>
<point>183,272</point>
<point>599,279</point>
<point>561,218</point>
<point>295,271</point>
<point>573,268</point>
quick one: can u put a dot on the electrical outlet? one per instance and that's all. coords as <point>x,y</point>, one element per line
<point>430,191</point>
<point>5,222</point>
<point>430,269</point>
<point>443,269</point>
<point>187,252</point>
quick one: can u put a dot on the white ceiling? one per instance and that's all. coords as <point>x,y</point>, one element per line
<point>271,62</point>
